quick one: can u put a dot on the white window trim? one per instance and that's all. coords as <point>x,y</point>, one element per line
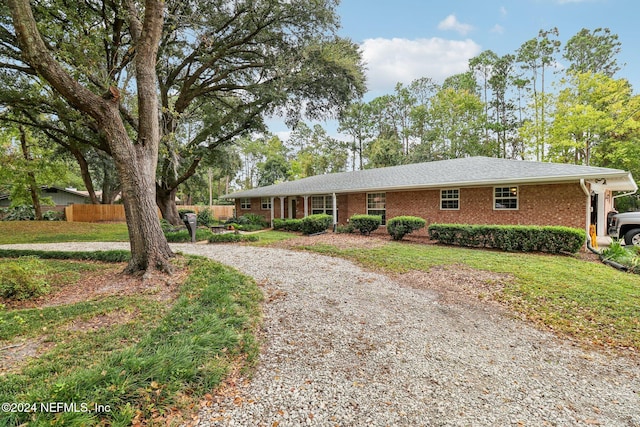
<point>517,197</point>
<point>245,203</point>
<point>265,203</point>
<point>449,199</point>
<point>327,204</point>
<point>384,222</point>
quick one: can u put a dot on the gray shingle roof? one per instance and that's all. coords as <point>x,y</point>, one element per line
<point>470,171</point>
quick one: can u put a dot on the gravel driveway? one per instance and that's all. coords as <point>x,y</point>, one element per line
<point>347,347</point>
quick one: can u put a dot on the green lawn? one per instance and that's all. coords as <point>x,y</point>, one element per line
<point>589,301</point>
<point>61,231</point>
<point>159,358</point>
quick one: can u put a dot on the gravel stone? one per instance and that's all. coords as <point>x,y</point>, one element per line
<point>347,347</point>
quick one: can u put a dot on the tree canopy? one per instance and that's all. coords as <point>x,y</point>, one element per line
<point>149,81</point>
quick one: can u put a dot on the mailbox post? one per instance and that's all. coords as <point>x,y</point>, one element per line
<point>190,220</point>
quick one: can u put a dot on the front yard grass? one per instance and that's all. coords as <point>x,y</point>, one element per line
<point>140,357</point>
<point>12,232</point>
<point>585,300</point>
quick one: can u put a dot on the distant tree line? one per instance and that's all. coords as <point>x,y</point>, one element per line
<point>544,102</point>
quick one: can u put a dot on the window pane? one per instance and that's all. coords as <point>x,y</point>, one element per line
<point>376,200</point>
<point>506,197</point>
<point>449,199</point>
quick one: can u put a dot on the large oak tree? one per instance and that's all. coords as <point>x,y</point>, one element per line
<point>178,79</point>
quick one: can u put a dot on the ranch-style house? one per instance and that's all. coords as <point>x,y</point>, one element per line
<point>473,190</point>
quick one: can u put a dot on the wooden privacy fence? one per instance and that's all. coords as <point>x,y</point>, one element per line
<point>219,211</point>
<point>115,213</point>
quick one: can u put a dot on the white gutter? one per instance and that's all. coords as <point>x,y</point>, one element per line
<point>631,192</point>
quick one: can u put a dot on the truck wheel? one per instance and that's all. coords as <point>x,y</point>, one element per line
<point>632,237</point>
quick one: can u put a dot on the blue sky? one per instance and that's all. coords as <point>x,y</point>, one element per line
<point>402,40</point>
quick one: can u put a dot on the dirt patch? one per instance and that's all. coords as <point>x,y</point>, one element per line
<point>458,284</point>
<point>340,241</point>
<point>13,355</point>
<point>100,321</point>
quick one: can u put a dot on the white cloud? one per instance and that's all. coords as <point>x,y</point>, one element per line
<point>503,11</point>
<point>497,29</point>
<point>451,23</point>
<point>390,61</point>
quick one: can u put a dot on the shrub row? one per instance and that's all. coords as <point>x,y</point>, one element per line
<point>397,227</point>
<point>232,238</point>
<point>102,256</point>
<point>287,224</point>
<point>512,238</point>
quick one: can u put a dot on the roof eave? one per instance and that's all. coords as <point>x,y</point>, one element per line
<point>482,183</point>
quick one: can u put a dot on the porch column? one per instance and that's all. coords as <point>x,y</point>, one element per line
<point>306,206</point>
<point>335,211</point>
<point>271,210</point>
<point>282,207</point>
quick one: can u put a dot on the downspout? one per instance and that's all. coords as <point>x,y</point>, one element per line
<point>588,217</point>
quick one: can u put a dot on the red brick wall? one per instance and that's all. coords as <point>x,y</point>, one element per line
<point>552,204</point>
<point>256,208</point>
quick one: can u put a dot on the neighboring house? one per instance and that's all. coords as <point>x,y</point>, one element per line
<point>474,190</point>
<point>61,196</point>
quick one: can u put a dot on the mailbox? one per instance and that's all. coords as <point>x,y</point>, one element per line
<point>191,221</point>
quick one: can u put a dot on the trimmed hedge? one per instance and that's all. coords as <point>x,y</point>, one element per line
<point>400,226</point>
<point>365,223</point>
<point>287,224</point>
<point>232,238</point>
<point>511,238</point>
<point>103,256</point>
<point>317,223</point>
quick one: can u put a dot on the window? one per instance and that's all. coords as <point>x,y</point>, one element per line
<point>376,205</point>
<point>322,205</point>
<point>266,203</point>
<point>505,198</point>
<point>450,199</point>
<point>245,203</point>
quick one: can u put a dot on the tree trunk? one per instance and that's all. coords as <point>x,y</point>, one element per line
<point>166,201</point>
<point>136,166</point>
<point>86,175</point>
<point>135,162</point>
<point>31,177</point>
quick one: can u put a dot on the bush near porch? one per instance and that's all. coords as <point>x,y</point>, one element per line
<point>365,223</point>
<point>512,238</point>
<point>294,225</point>
<point>317,223</point>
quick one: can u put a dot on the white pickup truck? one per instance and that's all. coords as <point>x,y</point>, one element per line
<point>626,225</point>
